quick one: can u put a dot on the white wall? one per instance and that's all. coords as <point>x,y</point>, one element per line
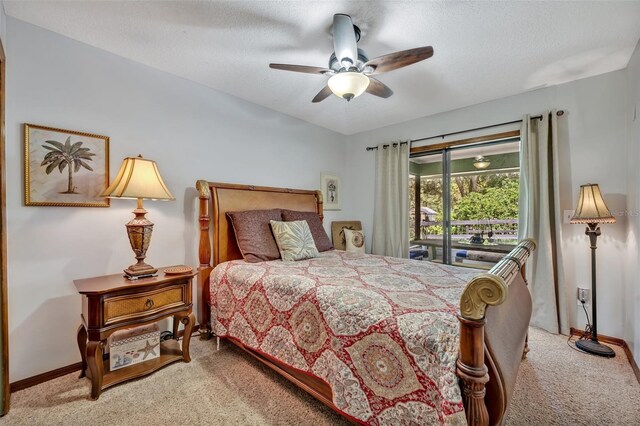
<point>632,289</point>
<point>594,127</point>
<point>193,132</point>
<point>3,23</point>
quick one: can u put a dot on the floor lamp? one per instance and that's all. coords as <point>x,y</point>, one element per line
<point>592,210</point>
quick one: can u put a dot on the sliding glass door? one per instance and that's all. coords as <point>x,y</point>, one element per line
<point>464,203</point>
<point>426,207</point>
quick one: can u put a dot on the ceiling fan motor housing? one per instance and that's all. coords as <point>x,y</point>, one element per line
<point>337,67</point>
<point>356,30</point>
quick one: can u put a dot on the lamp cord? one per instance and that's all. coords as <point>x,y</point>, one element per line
<point>586,334</point>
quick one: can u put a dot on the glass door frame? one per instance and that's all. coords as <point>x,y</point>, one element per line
<point>445,152</point>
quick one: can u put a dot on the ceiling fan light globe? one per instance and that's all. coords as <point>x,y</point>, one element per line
<point>348,85</point>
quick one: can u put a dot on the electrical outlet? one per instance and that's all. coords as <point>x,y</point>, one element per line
<point>583,295</point>
<point>568,214</point>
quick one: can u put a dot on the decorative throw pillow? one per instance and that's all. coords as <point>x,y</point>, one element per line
<point>355,240</point>
<point>253,234</point>
<point>320,237</point>
<point>294,240</point>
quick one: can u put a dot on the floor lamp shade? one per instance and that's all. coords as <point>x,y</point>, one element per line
<point>591,207</point>
<point>139,178</point>
<point>592,210</point>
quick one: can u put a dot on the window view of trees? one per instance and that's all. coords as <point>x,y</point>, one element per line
<point>474,197</point>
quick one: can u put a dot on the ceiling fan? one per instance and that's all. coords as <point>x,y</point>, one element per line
<point>350,69</point>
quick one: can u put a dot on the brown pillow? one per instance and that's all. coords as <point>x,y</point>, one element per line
<point>323,243</point>
<point>253,234</point>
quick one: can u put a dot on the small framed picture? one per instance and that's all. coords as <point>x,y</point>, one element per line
<point>64,167</point>
<point>331,191</point>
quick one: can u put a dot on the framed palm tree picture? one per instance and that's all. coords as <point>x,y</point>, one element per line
<point>65,167</point>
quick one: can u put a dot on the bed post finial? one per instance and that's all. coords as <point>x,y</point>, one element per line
<point>481,291</point>
<point>203,188</point>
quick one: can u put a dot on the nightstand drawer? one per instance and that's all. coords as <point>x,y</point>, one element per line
<point>124,307</point>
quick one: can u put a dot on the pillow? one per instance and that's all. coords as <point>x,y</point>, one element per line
<point>253,234</point>
<point>320,237</point>
<point>337,232</point>
<point>294,240</point>
<point>355,240</point>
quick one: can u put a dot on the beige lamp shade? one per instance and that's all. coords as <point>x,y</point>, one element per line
<point>591,207</point>
<point>138,178</point>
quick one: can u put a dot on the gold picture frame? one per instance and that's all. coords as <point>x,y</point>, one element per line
<point>64,168</point>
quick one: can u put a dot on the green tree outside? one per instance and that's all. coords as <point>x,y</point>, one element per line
<point>473,197</point>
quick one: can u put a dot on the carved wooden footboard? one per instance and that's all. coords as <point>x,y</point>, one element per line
<point>495,307</point>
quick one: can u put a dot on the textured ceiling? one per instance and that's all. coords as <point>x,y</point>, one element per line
<point>483,50</point>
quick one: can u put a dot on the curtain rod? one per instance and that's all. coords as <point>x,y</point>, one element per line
<point>559,113</point>
<point>371,148</point>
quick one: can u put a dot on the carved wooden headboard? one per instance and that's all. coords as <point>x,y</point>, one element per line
<point>219,245</point>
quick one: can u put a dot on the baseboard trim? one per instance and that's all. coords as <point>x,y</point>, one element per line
<point>44,377</point>
<point>63,371</point>
<point>59,372</point>
<point>614,341</point>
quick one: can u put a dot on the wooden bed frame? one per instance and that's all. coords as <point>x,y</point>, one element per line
<point>495,307</point>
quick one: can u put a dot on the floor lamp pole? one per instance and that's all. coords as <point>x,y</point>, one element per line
<point>593,231</point>
<point>593,346</point>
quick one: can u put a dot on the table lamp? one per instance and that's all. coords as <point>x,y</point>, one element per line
<point>592,210</point>
<point>139,178</point>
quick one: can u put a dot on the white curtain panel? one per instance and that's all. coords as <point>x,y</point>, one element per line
<point>391,206</point>
<point>540,218</point>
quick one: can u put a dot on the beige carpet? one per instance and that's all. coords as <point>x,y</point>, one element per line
<point>556,386</point>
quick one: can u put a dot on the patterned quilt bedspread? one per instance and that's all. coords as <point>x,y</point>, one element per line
<point>382,332</point>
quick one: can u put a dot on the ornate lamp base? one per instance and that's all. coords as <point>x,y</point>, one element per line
<point>596,348</point>
<point>139,230</point>
<point>140,269</point>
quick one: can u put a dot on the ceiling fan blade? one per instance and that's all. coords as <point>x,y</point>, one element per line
<point>397,60</point>
<point>344,41</point>
<point>322,95</point>
<point>377,88</point>
<point>300,68</point>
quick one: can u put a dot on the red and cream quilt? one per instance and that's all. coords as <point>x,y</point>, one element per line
<point>382,332</point>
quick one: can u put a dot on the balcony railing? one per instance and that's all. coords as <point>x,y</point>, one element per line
<point>464,250</point>
<point>503,229</point>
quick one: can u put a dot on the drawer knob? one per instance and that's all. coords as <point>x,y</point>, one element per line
<point>148,304</point>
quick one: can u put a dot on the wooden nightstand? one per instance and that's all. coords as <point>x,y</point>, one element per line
<point>112,303</point>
